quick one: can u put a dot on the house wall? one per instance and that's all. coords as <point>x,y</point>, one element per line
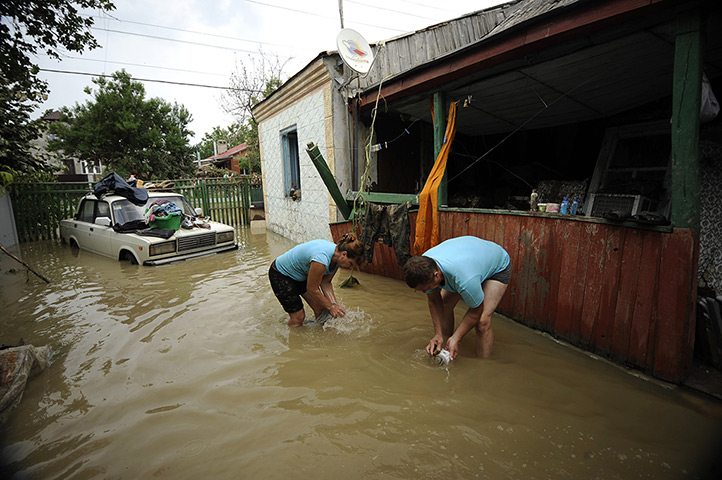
<point>307,218</point>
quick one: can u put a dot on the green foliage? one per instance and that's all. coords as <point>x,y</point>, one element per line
<point>232,134</point>
<point>251,83</point>
<point>211,171</point>
<point>28,28</point>
<point>125,132</point>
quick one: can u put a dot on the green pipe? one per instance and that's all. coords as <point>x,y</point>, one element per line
<point>328,179</point>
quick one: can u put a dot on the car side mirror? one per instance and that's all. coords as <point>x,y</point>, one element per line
<point>104,221</point>
<point>199,212</point>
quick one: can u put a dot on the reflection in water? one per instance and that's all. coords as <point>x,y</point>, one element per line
<point>188,370</point>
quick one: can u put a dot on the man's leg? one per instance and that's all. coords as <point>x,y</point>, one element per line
<point>450,300</point>
<point>493,292</point>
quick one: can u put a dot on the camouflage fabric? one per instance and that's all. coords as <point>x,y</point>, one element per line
<point>391,224</point>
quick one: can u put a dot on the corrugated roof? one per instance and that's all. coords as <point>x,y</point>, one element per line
<point>406,52</point>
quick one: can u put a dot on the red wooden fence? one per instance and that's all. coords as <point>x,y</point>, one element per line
<point>623,293</point>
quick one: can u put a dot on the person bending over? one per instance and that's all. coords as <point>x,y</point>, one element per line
<point>475,270</point>
<point>307,270</point>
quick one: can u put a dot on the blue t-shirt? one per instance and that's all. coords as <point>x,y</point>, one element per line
<point>296,262</point>
<point>466,263</point>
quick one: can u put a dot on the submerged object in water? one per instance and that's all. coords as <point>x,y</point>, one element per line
<point>442,358</point>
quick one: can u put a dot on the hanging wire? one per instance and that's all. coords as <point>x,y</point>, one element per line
<point>367,150</point>
<point>563,95</point>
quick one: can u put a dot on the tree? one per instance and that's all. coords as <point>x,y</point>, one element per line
<point>249,86</point>
<point>232,134</point>
<point>126,133</point>
<point>29,27</point>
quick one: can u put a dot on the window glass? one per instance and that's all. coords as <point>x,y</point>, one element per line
<point>291,169</point>
<point>87,210</point>
<point>124,211</point>
<point>103,210</point>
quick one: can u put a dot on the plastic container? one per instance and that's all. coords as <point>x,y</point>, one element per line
<point>553,207</point>
<point>564,206</point>
<point>542,207</point>
<point>171,222</point>
<point>534,201</point>
<point>574,207</point>
<point>442,358</point>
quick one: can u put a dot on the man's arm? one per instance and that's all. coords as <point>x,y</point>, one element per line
<point>471,318</point>
<point>436,308</point>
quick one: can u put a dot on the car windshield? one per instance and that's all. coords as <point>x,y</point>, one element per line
<point>124,211</point>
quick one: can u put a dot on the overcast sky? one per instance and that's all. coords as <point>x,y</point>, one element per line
<point>200,42</point>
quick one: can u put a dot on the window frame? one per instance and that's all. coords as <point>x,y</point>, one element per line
<point>291,162</point>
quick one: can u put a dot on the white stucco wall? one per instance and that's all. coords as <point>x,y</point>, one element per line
<point>308,218</point>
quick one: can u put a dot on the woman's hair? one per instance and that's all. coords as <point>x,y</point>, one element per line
<point>419,270</point>
<point>353,247</point>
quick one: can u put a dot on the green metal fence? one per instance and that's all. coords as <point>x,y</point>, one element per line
<point>39,207</point>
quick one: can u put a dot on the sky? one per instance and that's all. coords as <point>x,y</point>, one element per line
<point>200,43</point>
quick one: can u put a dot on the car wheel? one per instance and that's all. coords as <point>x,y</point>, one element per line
<point>127,256</point>
<point>74,248</point>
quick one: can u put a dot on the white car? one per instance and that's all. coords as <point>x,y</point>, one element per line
<point>114,227</point>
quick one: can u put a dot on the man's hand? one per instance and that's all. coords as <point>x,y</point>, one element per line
<point>452,345</point>
<point>435,344</point>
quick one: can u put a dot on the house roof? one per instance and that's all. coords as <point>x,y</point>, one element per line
<point>230,153</point>
<point>548,63</point>
<point>586,58</point>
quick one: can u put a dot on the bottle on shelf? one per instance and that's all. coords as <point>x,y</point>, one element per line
<point>563,207</point>
<point>533,201</point>
<point>574,207</point>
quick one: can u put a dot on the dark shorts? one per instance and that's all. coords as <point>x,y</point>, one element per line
<point>287,290</point>
<point>504,276</point>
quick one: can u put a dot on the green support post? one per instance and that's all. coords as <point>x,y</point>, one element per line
<point>439,131</point>
<point>686,98</point>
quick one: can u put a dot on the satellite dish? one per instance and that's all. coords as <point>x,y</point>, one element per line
<point>354,50</point>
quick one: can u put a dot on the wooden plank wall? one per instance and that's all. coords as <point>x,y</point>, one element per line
<point>625,294</point>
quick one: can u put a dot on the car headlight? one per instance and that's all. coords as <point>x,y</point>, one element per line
<point>224,237</point>
<point>161,248</point>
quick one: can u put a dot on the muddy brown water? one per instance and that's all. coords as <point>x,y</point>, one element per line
<point>189,371</point>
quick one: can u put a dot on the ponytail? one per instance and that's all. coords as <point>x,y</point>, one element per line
<point>353,247</point>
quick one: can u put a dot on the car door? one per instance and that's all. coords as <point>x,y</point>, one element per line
<point>101,235</point>
<point>90,236</point>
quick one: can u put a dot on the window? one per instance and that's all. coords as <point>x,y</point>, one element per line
<point>87,211</point>
<point>87,168</point>
<point>291,170</point>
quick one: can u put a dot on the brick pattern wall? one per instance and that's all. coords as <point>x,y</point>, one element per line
<point>308,218</point>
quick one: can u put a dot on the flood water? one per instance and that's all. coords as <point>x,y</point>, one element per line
<point>188,371</point>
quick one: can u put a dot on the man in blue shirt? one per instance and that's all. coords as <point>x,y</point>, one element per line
<point>468,268</point>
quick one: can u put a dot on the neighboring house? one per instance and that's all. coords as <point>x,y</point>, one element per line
<point>596,99</point>
<point>229,159</point>
<point>70,169</point>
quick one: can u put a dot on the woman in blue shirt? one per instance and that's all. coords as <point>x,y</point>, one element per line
<point>307,270</point>
<point>469,268</point>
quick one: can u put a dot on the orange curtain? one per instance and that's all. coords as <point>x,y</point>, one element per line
<point>427,221</point>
